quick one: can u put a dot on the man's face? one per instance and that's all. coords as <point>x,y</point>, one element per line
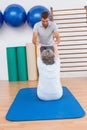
<point>45,22</point>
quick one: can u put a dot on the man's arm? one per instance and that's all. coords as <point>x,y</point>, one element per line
<point>35,37</point>
<point>56,37</point>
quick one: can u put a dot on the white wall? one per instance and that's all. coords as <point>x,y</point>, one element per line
<point>20,36</point>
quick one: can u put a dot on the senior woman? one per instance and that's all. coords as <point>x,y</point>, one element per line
<point>48,63</point>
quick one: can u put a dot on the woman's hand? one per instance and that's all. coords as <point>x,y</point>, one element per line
<point>56,50</point>
<point>38,49</point>
<point>55,45</point>
<point>38,45</point>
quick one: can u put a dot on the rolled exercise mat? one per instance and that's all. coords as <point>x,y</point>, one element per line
<point>12,63</point>
<point>31,62</point>
<point>22,63</point>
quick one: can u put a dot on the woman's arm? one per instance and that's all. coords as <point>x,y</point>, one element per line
<point>56,53</point>
<point>38,50</point>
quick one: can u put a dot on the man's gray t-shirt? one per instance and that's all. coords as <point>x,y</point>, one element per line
<point>45,34</point>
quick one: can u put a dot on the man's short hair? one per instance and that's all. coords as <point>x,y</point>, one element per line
<point>45,15</point>
<point>47,57</point>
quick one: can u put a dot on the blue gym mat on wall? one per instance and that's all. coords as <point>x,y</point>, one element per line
<point>27,107</point>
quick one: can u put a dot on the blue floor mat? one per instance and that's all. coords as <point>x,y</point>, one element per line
<point>27,107</point>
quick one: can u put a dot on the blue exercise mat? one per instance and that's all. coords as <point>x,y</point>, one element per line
<point>27,107</point>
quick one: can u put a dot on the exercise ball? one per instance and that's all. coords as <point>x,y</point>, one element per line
<point>33,15</point>
<point>15,15</point>
<point>1,19</point>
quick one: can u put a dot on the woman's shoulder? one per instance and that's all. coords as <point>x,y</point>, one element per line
<point>57,59</point>
<point>39,60</point>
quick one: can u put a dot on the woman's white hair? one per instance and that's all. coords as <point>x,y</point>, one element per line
<point>47,56</point>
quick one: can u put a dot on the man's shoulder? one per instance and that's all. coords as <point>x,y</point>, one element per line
<point>38,23</point>
<point>52,23</point>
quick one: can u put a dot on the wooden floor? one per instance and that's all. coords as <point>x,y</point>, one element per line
<point>78,86</point>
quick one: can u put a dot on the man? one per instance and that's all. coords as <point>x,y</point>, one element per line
<point>45,32</point>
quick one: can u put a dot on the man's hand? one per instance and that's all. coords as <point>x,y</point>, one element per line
<point>57,41</point>
<point>38,44</point>
<point>56,38</point>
